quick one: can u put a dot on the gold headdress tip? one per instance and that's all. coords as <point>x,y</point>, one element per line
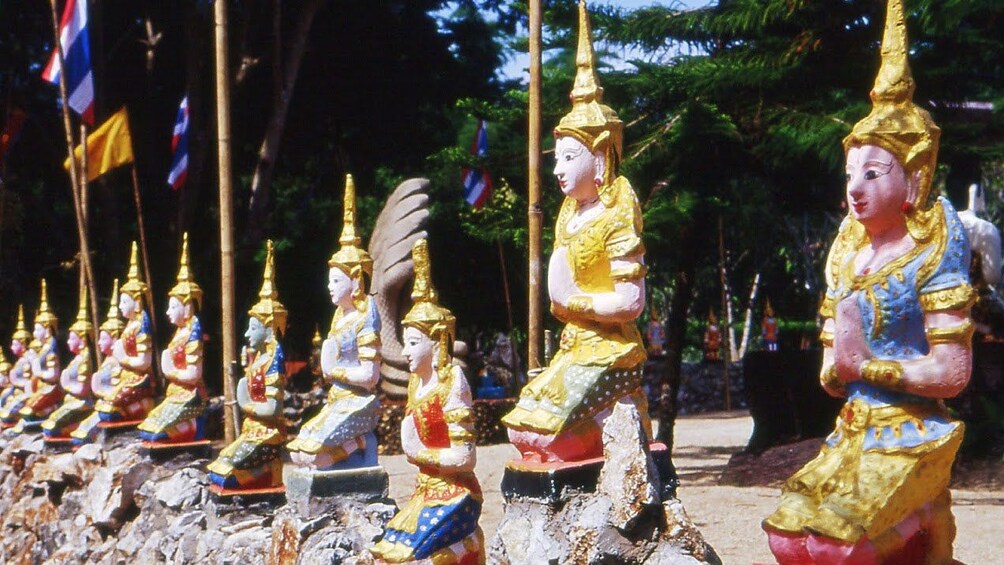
<point>427,315</point>
<point>895,123</point>
<point>21,332</point>
<point>82,325</point>
<point>269,311</point>
<point>349,235</point>
<point>45,316</point>
<point>134,285</point>
<point>768,310</point>
<point>186,290</point>
<point>112,324</point>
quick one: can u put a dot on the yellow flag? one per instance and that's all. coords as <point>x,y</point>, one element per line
<point>108,147</point>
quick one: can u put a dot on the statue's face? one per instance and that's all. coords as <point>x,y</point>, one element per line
<point>127,305</point>
<point>877,187</point>
<point>576,169</point>
<point>177,312</point>
<point>257,333</point>
<point>39,332</point>
<point>105,342</point>
<point>74,342</point>
<point>339,285</point>
<point>17,347</point>
<point>419,350</point>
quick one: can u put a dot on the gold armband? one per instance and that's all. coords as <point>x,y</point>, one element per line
<point>628,273</point>
<point>826,338</point>
<point>955,298</point>
<point>884,373</point>
<point>428,457</point>
<point>830,380</point>
<point>580,304</point>
<point>962,333</point>
<point>337,375</point>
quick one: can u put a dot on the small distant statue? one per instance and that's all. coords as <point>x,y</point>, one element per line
<point>712,339</point>
<point>341,435</point>
<point>439,524</point>
<point>102,384</point>
<point>180,417</point>
<point>45,392</point>
<point>503,365</point>
<point>897,341</point>
<point>254,459</point>
<point>20,372</point>
<point>75,378</point>
<point>656,332</point>
<point>768,328</point>
<point>596,285</point>
<point>130,397</point>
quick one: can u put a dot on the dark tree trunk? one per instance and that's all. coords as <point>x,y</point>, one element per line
<point>676,331</point>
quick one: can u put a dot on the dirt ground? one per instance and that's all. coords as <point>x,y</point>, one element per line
<point>729,516</point>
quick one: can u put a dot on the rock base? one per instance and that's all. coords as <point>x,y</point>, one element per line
<point>364,483</point>
<point>112,505</point>
<point>621,509</point>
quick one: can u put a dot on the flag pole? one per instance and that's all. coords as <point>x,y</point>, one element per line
<point>226,212</point>
<point>142,243</point>
<point>85,252</point>
<point>534,216</point>
<point>85,219</point>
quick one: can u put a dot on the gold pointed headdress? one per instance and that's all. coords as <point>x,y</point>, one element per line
<point>768,311</point>
<point>82,325</point>
<point>21,332</point>
<point>269,310</point>
<point>591,122</point>
<point>426,314</point>
<point>45,316</point>
<point>350,257</point>
<point>134,286</point>
<point>113,323</point>
<point>895,123</point>
<point>186,290</point>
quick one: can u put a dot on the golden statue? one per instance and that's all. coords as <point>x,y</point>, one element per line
<point>132,388</point>
<point>341,435</point>
<point>897,341</point>
<point>75,378</point>
<point>254,460</point>
<point>596,283</point>
<point>103,379</point>
<point>20,372</point>
<point>45,393</point>
<point>440,521</point>
<point>180,417</point>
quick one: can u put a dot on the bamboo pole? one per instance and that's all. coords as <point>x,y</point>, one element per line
<point>725,317</point>
<point>505,285</point>
<point>534,216</point>
<point>226,216</point>
<point>85,252</point>
<point>84,209</point>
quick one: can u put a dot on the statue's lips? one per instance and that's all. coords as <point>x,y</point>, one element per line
<point>859,206</point>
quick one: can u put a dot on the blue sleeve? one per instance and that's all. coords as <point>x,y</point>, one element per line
<point>953,268</point>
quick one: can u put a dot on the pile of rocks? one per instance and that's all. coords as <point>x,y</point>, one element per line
<point>112,505</point>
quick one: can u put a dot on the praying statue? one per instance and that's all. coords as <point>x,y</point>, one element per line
<point>439,523</point>
<point>596,284</point>
<point>19,375</point>
<point>254,459</point>
<point>897,341</point>
<point>78,403</point>
<point>45,394</point>
<point>108,372</point>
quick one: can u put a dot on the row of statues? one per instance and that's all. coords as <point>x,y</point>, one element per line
<point>896,343</point>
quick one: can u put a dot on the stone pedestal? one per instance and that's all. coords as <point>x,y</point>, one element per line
<point>620,508</point>
<point>364,483</point>
<point>162,451</point>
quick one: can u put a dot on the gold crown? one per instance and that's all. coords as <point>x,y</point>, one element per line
<point>895,123</point>
<point>350,257</point>
<point>45,316</point>
<point>592,123</point>
<point>82,325</point>
<point>426,314</point>
<point>711,316</point>
<point>113,323</point>
<point>134,286</point>
<point>768,310</point>
<point>269,310</point>
<point>21,332</point>
<point>186,290</point>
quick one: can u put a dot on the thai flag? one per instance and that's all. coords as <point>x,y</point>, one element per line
<point>77,58</point>
<point>179,147</point>
<point>477,182</point>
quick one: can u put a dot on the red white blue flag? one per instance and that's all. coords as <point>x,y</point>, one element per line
<point>477,182</point>
<point>179,147</point>
<point>76,58</point>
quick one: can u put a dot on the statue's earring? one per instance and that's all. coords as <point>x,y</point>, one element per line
<point>598,181</point>
<point>906,207</point>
